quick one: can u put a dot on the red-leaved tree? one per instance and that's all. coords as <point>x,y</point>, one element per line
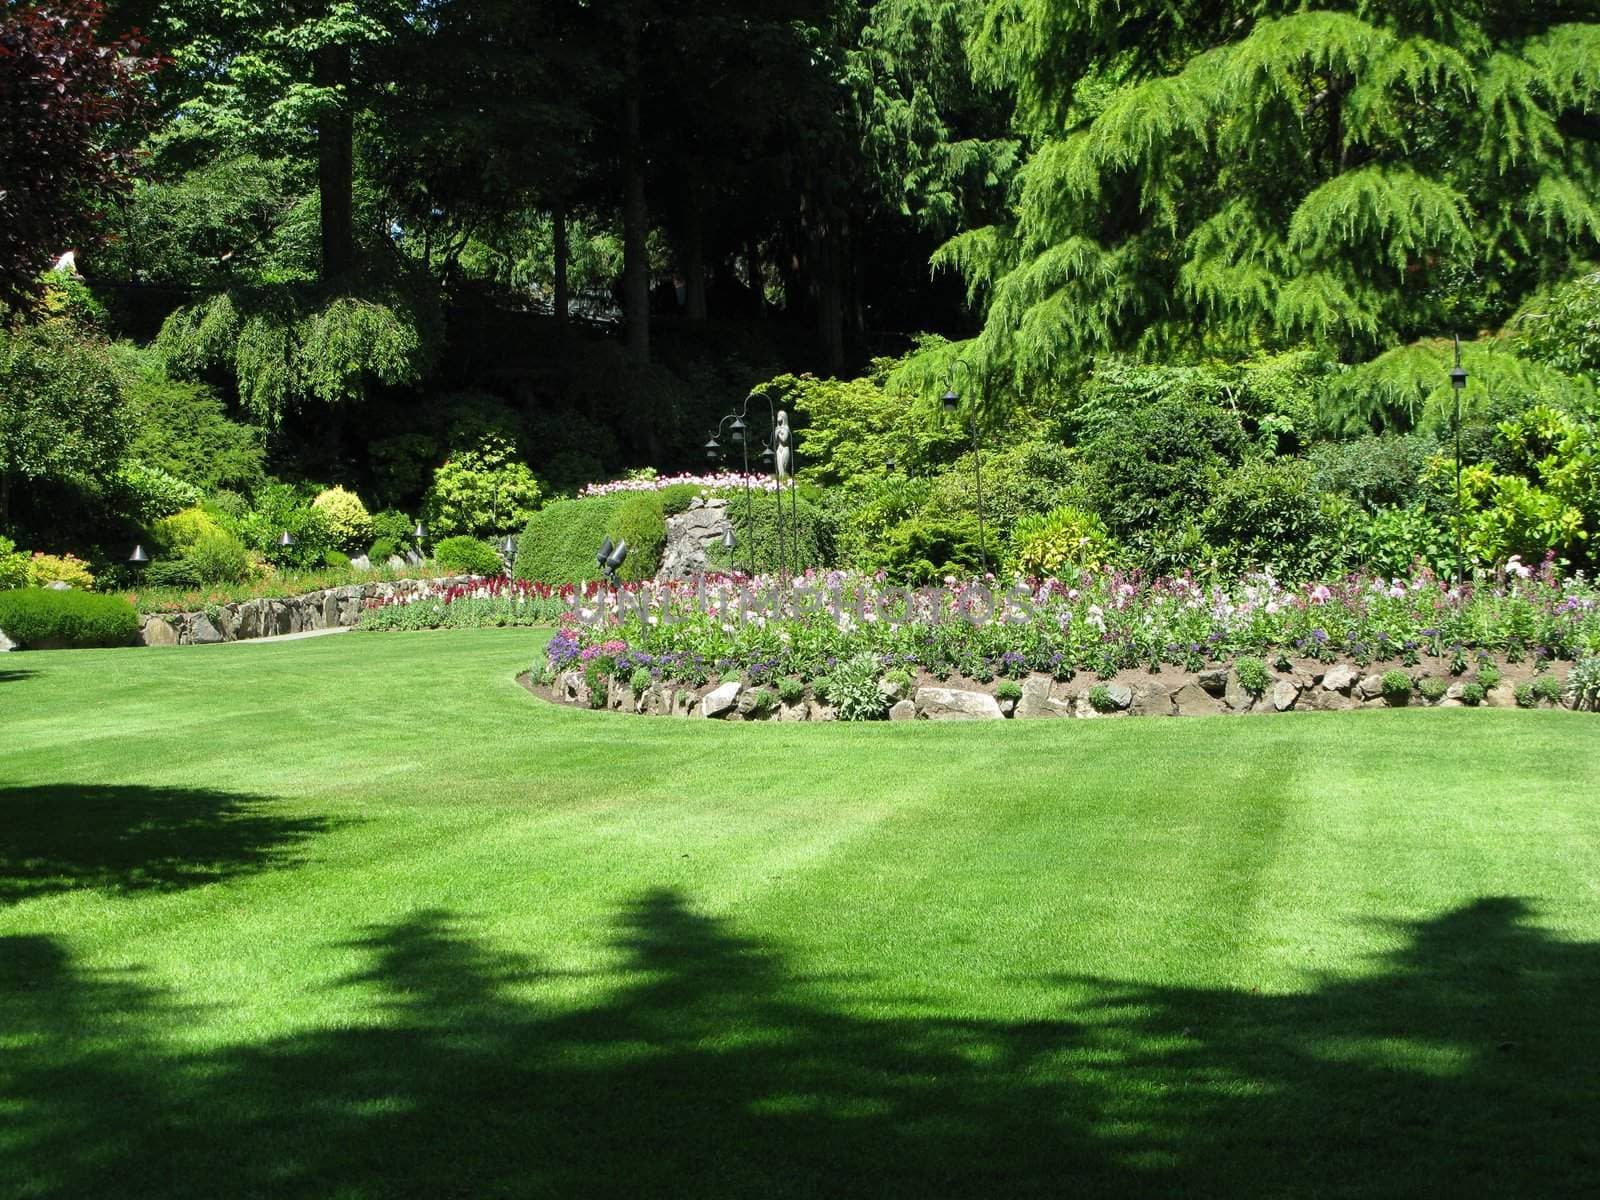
<point>70,106</point>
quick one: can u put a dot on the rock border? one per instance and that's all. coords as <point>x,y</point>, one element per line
<point>1305,686</point>
<point>247,620</point>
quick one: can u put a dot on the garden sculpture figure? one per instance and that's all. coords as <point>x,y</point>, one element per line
<point>780,436</point>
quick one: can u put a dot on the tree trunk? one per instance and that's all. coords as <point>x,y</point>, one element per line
<point>336,165</point>
<point>635,213</point>
<point>558,227</point>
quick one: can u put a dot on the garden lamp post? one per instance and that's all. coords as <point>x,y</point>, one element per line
<point>419,535</point>
<point>952,403</point>
<point>1458,383</point>
<point>285,539</point>
<point>138,559</point>
<point>739,433</point>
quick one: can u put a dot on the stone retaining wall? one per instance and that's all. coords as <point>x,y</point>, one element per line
<point>335,608</point>
<point>1305,686</point>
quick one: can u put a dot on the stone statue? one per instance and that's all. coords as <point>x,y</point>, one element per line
<point>785,455</point>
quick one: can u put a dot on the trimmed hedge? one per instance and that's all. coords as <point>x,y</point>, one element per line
<point>462,555</point>
<point>561,539</point>
<point>40,618</point>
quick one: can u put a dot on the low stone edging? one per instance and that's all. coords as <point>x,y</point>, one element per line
<point>332,608</point>
<point>1305,687</point>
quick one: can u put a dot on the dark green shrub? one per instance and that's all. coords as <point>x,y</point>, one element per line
<point>172,573</point>
<point>1100,699</point>
<point>1433,689</point>
<point>1379,471</point>
<point>467,556</point>
<point>559,543</point>
<point>39,617</point>
<point>1487,677</point>
<point>790,690</point>
<point>1155,466</point>
<point>218,558</point>
<point>1548,687</point>
<point>394,526</point>
<point>1266,514</point>
<point>640,680</point>
<point>381,551</point>
<point>640,520</point>
<point>1472,694</point>
<point>184,429</point>
<point>336,560</point>
<point>1396,687</point>
<point>1008,689</point>
<point>677,498</point>
<point>762,702</point>
<point>816,528</point>
<point>1253,675</point>
<point>924,550</point>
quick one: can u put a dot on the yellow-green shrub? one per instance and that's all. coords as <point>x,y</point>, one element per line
<point>45,569</point>
<point>346,516</point>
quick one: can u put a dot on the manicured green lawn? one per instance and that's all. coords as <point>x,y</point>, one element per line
<point>358,917</point>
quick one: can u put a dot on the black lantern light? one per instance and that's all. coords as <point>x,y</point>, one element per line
<point>285,539</point>
<point>736,431</point>
<point>605,553</point>
<point>508,546</point>
<point>728,540</point>
<point>951,402</point>
<point>138,557</point>
<point>713,450</point>
<point>612,557</point>
<point>420,534</point>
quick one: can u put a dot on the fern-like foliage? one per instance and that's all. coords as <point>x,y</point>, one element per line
<point>1223,177</point>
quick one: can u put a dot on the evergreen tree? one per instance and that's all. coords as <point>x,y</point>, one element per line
<point>1223,176</point>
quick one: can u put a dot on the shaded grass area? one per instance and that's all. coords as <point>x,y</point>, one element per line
<point>357,917</point>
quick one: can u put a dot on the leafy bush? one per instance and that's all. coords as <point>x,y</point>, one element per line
<point>924,550</point>
<point>336,560</point>
<point>172,573</point>
<point>175,534</point>
<point>853,689</point>
<point>13,565</point>
<point>35,616</point>
<point>640,520</point>
<point>1487,677</point>
<point>559,543</point>
<point>467,556</point>
<point>816,530</point>
<point>148,493</point>
<point>1008,689</point>
<point>381,551</point>
<point>282,508</point>
<point>1583,683</point>
<point>394,526</point>
<point>1547,687</point>
<point>1393,540</point>
<point>1153,467</point>
<point>762,702</point>
<point>1472,694</point>
<point>1396,687</point>
<point>791,690</point>
<point>640,680</point>
<point>1044,544</point>
<point>1433,689</point>
<point>1266,515</point>
<point>218,558</point>
<point>1378,471</point>
<point>483,491</point>
<point>1253,675</point>
<point>346,517</point>
<point>45,569</point>
<point>1100,699</point>
<point>183,429</point>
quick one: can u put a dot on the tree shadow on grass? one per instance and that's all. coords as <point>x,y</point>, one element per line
<point>1464,1064</point>
<point>10,676</point>
<point>131,839</point>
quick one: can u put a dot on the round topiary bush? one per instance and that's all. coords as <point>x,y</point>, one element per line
<point>467,556</point>
<point>558,544</point>
<point>347,518</point>
<point>41,619</point>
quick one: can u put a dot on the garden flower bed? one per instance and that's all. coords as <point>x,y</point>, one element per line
<point>849,645</point>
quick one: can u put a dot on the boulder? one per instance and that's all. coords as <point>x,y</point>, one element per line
<point>1284,694</point>
<point>1500,696</point>
<point>1059,708</point>
<point>951,704</point>
<point>1194,700</point>
<point>1339,679</point>
<point>7,644</point>
<point>1035,697</point>
<point>1370,687</point>
<point>59,585</point>
<point>823,712</point>
<point>749,698</point>
<point>1235,697</point>
<point>361,563</point>
<point>249,623</point>
<point>395,563</point>
<point>720,701</point>
<point>202,632</point>
<point>1215,681</point>
<point>690,534</point>
<point>158,632</point>
<point>792,712</point>
<point>1151,699</point>
<point>903,710</point>
<point>1121,695</point>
